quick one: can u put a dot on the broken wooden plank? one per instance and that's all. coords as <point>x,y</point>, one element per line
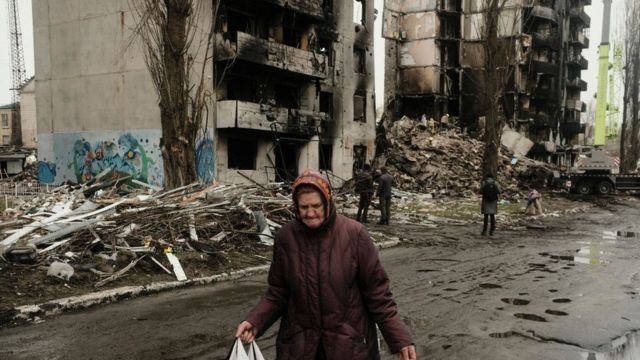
<point>177,267</point>
<point>119,273</point>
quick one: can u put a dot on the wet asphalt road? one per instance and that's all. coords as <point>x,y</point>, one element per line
<point>569,292</point>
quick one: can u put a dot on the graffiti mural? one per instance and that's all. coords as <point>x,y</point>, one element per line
<point>79,157</point>
<point>46,172</point>
<point>127,157</point>
<point>205,161</point>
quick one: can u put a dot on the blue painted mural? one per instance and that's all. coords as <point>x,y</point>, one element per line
<point>79,157</point>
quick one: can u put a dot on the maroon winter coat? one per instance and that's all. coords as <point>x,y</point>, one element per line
<point>329,287</point>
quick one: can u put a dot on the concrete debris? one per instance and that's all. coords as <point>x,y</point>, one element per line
<point>60,270</point>
<point>112,228</point>
<point>447,163</point>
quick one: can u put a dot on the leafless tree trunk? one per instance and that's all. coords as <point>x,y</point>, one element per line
<point>172,41</point>
<point>499,63</point>
<point>630,130</point>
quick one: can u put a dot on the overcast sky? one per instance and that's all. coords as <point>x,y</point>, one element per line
<point>591,54</point>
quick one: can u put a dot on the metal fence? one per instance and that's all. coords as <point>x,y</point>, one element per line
<point>24,189</point>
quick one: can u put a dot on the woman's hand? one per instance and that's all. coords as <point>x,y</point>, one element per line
<point>247,332</point>
<point>407,353</point>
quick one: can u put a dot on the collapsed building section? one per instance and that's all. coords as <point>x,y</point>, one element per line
<point>422,61</point>
<point>296,87</point>
<point>436,63</point>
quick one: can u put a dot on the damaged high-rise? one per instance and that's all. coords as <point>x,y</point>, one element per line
<point>297,87</point>
<point>291,85</point>
<point>435,64</point>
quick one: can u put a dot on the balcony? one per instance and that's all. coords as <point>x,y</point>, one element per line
<point>544,40</point>
<point>235,114</point>
<point>574,127</point>
<point>578,14</point>
<point>578,60</point>
<point>269,53</point>
<point>312,8</point>
<point>542,67</point>
<point>571,104</point>
<point>577,83</point>
<point>544,12</point>
<point>579,38</point>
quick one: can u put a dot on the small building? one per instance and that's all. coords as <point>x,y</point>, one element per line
<point>6,120</point>
<point>28,118</point>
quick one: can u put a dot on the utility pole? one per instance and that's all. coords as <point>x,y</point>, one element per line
<point>18,71</point>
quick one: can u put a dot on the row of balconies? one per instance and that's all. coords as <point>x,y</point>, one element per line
<point>544,40</point>
<point>309,7</point>
<point>578,14</point>
<point>247,115</point>
<point>580,38</point>
<point>577,83</point>
<point>270,53</point>
<point>577,60</point>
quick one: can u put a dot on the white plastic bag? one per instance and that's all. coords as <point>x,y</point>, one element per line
<point>254,352</point>
<point>237,352</point>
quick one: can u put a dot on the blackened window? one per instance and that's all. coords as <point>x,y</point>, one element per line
<point>360,107</point>
<point>242,154</point>
<point>359,62</point>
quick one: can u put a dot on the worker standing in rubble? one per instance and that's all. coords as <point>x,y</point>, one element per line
<point>444,121</point>
<point>364,187</point>
<point>490,190</point>
<point>385,183</point>
<point>327,285</point>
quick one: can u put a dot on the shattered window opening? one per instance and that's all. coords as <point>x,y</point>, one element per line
<point>326,103</point>
<point>325,47</point>
<point>5,121</point>
<point>359,157</point>
<point>237,21</point>
<point>358,12</point>
<point>241,154</point>
<point>359,60</point>
<point>360,107</point>
<point>326,156</point>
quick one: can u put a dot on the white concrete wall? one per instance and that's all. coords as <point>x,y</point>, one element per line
<point>89,80</point>
<point>28,115</point>
<point>349,132</point>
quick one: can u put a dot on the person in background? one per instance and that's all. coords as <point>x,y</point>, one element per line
<point>327,286</point>
<point>534,198</point>
<point>364,187</point>
<point>490,190</point>
<point>385,183</point>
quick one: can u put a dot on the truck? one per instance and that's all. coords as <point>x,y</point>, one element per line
<point>597,172</point>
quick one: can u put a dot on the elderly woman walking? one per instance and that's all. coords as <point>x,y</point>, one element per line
<point>327,285</point>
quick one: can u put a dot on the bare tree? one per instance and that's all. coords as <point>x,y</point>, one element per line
<point>630,129</point>
<point>172,39</point>
<point>499,66</point>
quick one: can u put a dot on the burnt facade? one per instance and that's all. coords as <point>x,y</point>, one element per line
<point>542,95</point>
<point>422,60</point>
<point>296,87</point>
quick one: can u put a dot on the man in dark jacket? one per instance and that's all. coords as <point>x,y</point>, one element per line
<point>327,285</point>
<point>385,183</point>
<point>490,190</point>
<point>364,187</point>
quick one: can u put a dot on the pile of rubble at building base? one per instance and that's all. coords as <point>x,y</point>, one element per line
<point>100,236</point>
<point>448,163</point>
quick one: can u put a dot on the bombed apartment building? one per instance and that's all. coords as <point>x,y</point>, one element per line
<point>542,93</point>
<point>422,59</point>
<point>291,82</point>
<point>297,87</point>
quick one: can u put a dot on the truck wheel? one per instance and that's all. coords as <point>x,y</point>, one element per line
<point>584,188</point>
<point>604,188</point>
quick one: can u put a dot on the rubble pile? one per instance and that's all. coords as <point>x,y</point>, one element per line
<point>449,163</point>
<point>106,228</point>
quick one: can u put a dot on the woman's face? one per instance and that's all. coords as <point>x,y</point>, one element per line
<point>311,209</point>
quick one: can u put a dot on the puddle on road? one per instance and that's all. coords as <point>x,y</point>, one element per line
<point>622,348</point>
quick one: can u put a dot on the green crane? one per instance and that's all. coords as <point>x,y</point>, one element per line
<point>603,75</point>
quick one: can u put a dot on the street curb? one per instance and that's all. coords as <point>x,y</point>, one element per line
<point>35,312</point>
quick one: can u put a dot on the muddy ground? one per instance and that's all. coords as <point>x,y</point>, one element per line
<point>24,284</point>
<point>569,291</point>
